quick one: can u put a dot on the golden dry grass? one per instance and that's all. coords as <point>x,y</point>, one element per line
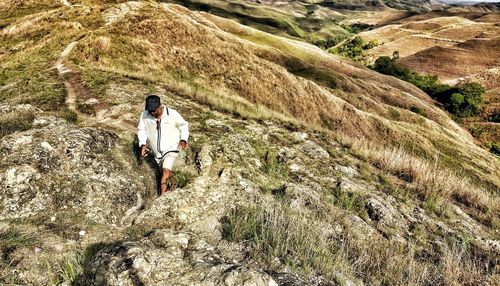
<point>280,237</point>
<point>257,75</point>
<point>428,178</point>
<point>252,74</point>
<point>236,67</point>
<point>464,59</point>
<point>458,47</point>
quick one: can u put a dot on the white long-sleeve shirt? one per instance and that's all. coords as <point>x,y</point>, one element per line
<point>162,134</point>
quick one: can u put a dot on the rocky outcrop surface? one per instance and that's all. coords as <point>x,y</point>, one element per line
<point>165,256</point>
<point>89,178</point>
<point>57,167</point>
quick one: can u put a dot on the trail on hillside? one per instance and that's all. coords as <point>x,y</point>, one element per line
<point>309,185</point>
<point>63,69</point>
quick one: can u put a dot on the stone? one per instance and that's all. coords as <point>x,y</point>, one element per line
<point>313,150</point>
<point>346,170</point>
<point>205,157</point>
<point>165,256</point>
<point>299,136</point>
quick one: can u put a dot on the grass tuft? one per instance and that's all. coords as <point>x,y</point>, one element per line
<point>181,179</point>
<point>69,115</point>
<point>279,236</point>
<point>15,122</point>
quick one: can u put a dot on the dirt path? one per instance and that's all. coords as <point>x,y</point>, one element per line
<point>61,70</point>
<point>430,37</point>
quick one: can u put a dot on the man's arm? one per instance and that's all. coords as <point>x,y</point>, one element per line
<point>143,136</point>
<point>183,126</point>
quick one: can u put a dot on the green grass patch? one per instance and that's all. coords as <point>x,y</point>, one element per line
<point>136,231</point>
<point>393,113</point>
<point>275,173</point>
<point>437,205</point>
<point>72,270</point>
<point>272,166</point>
<point>28,74</point>
<point>19,9</point>
<point>418,111</point>
<point>347,200</point>
<point>181,179</point>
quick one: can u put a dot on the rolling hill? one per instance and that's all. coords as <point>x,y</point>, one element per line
<point>289,145</point>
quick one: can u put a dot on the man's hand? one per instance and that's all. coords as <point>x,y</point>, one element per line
<point>144,150</point>
<point>182,144</point>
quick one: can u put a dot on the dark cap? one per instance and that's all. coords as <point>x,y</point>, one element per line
<point>152,102</point>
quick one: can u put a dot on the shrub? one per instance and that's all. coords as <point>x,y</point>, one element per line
<point>386,65</point>
<point>463,101</point>
<point>355,49</point>
<point>473,99</point>
<point>357,27</point>
<point>494,118</point>
<point>494,148</point>
<point>418,110</point>
<point>455,101</point>
<point>326,44</point>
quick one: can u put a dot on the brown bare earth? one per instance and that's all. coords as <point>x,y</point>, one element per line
<point>460,60</point>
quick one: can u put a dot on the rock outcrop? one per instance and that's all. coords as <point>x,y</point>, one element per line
<point>62,178</point>
<point>57,167</point>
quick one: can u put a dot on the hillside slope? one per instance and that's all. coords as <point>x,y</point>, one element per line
<point>457,47</point>
<point>286,139</point>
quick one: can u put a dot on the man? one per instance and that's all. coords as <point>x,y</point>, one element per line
<point>166,132</point>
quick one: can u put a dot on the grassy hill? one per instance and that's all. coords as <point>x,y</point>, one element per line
<point>463,42</point>
<point>92,63</point>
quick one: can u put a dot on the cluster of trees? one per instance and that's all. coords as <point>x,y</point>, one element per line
<point>355,49</point>
<point>328,43</point>
<point>463,100</point>
<point>357,27</point>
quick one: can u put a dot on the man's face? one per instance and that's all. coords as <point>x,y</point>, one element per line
<point>156,112</point>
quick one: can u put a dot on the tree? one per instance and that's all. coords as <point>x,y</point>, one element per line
<point>455,103</point>
<point>464,100</point>
<point>385,65</point>
<point>473,98</point>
